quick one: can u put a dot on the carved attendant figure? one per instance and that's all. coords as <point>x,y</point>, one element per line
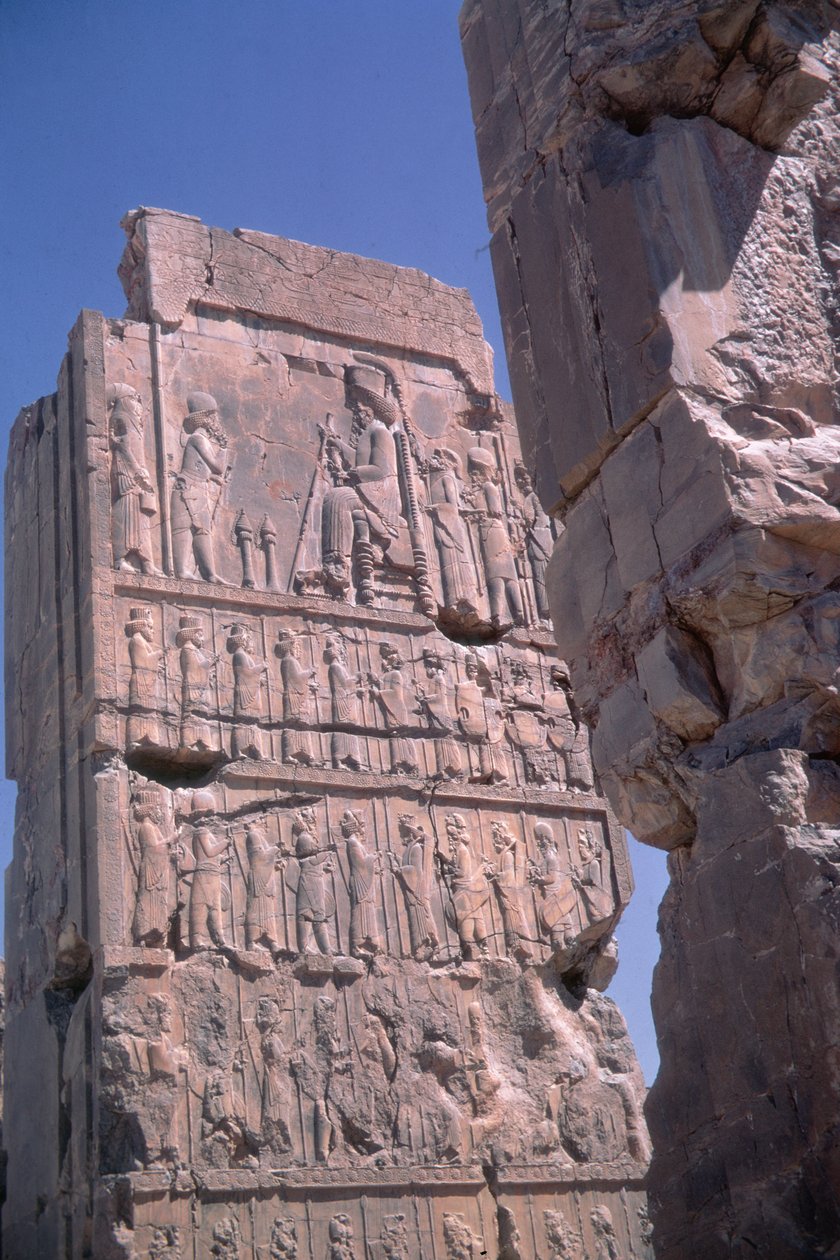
<point>198,487</point>
<point>390,692</point>
<point>594,891</point>
<point>298,689</point>
<point>480,719</point>
<point>457,572</point>
<point>344,695</point>
<point>247,697</point>
<point>142,726</point>
<point>411,873</point>
<point>505,880</point>
<point>205,919</point>
<point>151,912</point>
<point>539,539</point>
<point>470,890</point>
<point>195,679</point>
<point>558,899</point>
<point>134,494</point>
<point>434,703</point>
<point>364,933</point>
<point>314,905</point>
<point>496,550</point>
<point>264,859</point>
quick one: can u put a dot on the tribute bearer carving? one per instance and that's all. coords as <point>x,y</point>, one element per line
<point>481,720</point>
<point>505,879</point>
<point>205,918</point>
<point>134,502</point>
<point>364,866</point>
<point>434,704</point>
<point>496,550</point>
<point>457,570</point>
<point>299,688</point>
<point>557,893</point>
<point>410,871</point>
<point>195,680</point>
<point>247,696</point>
<point>469,887</point>
<point>314,903</point>
<point>151,911</point>
<point>264,860</point>
<point>344,697</point>
<point>142,724</point>
<point>198,489</point>
<point>390,692</point>
<point>539,539</point>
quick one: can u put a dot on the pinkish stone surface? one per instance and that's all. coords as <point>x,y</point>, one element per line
<point>663,192</point>
<point>313,894</point>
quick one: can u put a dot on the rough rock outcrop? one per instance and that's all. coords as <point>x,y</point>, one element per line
<point>313,892</point>
<point>662,182</point>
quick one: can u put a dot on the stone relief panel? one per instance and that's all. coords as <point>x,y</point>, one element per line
<point>246,865</point>
<point>328,471</point>
<point>231,683</point>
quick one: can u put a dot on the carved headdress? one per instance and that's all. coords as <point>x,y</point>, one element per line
<point>370,386</point>
<point>138,619</point>
<point>187,629</point>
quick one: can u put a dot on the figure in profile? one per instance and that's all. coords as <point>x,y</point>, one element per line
<point>134,502</point>
<point>198,488</point>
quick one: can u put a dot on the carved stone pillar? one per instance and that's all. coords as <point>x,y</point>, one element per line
<point>260,1002</point>
<point>664,200</point>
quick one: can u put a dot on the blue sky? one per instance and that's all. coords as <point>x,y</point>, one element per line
<point>344,123</point>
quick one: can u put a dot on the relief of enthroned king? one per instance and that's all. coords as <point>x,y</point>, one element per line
<point>362,523</point>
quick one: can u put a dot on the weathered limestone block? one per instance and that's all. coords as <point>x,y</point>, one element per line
<point>662,190</point>
<point>314,893</point>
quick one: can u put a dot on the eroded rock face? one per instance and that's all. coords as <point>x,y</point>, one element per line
<point>313,892</point>
<point>662,188</point>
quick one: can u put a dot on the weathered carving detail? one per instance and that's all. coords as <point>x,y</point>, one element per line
<point>284,1243</point>
<point>557,894</point>
<point>152,910</point>
<point>341,1238</point>
<point>565,1242</point>
<point>461,1243</point>
<point>538,538</point>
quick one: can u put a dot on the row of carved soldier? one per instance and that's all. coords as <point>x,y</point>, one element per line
<point>567,894</point>
<point>554,747</point>
<point>374,494</point>
<point>396,1241</point>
